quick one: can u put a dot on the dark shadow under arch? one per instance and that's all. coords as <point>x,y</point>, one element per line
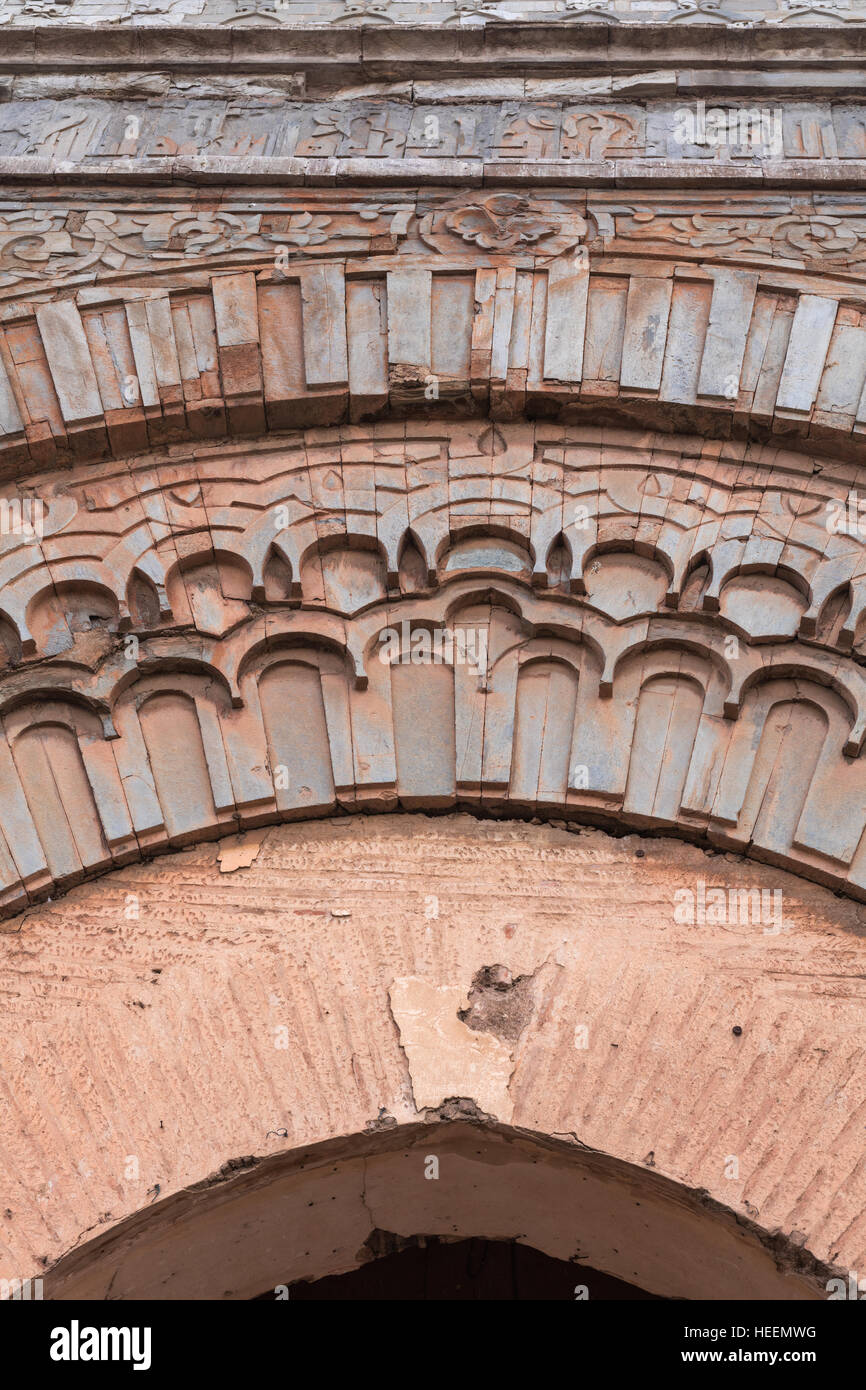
<point>431,1269</point>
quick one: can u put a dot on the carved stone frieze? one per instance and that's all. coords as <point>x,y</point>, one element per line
<point>57,245</point>
<point>63,240</point>
<point>503,222</point>
<point>696,619</point>
<point>714,129</point>
<point>797,229</point>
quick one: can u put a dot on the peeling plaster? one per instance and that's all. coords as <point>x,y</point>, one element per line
<point>241,853</point>
<point>445,1057</point>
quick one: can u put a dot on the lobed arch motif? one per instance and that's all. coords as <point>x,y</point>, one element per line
<point>369,618</point>
<point>708,514</point>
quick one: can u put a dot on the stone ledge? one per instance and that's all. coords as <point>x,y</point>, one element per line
<point>331,172</point>
<point>389,51</point>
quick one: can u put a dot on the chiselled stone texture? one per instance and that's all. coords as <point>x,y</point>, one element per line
<point>154,1035</point>
<point>667,633</point>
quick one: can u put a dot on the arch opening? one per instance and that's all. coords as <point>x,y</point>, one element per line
<point>266,1229</point>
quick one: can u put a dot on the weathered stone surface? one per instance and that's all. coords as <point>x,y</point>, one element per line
<point>184,602</point>
<point>271,346</point>
<point>324,12</point>
<point>258,119</point>
<point>248,995</point>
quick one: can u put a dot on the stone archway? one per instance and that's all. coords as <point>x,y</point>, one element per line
<point>320,1212</point>
<point>232,1028</point>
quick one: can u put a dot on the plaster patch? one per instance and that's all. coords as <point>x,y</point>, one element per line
<point>445,1057</point>
<point>241,853</point>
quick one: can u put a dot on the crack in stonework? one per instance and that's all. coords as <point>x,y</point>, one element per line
<point>407,1074</point>
<point>229,1170</point>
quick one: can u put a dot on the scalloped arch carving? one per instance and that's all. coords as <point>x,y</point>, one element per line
<point>655,688</point>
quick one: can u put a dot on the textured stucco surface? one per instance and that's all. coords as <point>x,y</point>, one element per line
<point>314,995</point>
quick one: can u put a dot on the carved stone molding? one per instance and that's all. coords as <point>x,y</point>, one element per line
<point>172,611</point>
<point>730,134</point>
<point>733,351</point>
